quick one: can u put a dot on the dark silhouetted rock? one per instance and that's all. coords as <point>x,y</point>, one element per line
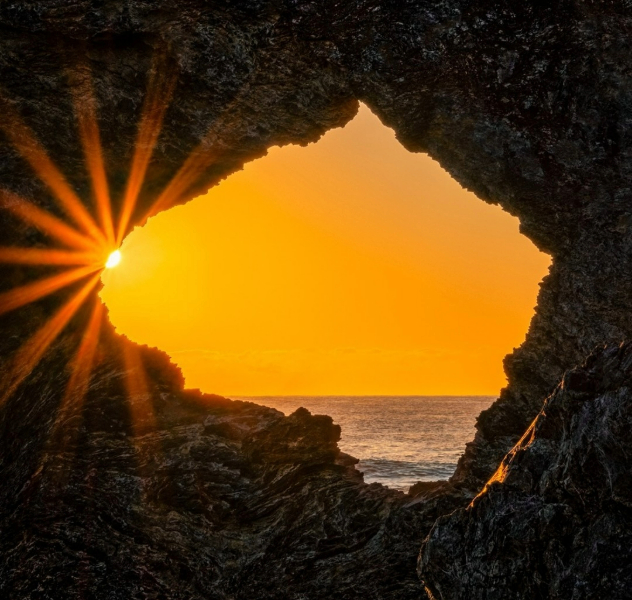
<point>556,521</point>
<point>217,499</point>
<point>528,104</point>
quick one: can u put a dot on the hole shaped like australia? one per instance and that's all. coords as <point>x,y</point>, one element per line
<point>350,267</point>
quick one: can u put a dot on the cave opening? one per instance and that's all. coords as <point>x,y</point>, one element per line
<point>341,276</point>
<point>346,272</point>
<point>120,482</point>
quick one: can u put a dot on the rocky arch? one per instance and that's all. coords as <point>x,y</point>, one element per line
<point>529,106</point>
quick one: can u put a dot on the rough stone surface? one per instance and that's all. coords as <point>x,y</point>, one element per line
<point>528,104</point>
<point>558,521</point>
<point>217,499</point>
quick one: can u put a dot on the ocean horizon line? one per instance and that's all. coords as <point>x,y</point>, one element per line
<point>360,395</point>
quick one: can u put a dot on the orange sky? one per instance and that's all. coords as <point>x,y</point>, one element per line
<point>350,266</point>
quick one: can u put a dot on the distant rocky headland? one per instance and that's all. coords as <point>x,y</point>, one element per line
<point>128,486</point>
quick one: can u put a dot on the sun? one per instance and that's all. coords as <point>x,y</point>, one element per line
<point>113,260</point>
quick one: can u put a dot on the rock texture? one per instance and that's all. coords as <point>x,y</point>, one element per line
<point>216,499</point>
<point>527,104</point>
<point>557,521</point>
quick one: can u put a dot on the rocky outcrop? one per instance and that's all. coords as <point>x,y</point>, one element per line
<point>214,499</point>
<point>555,521</point>
<point>527,104</point>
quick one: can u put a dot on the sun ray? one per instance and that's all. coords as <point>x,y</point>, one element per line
<point>141,409</point>
<point>30,353</point>
<point>25,142</point>
<point>159,92</point>
<point>194,166</point>
<point>140,404</point>
<point>36,256</point>
<point>45,222</point>
<point>201,158</point>
<point>30,292</point>
<point>62,435</point>
<point>86,112</point>
<point>77,386</point>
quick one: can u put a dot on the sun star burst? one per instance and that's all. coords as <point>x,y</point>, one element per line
<point>88,243</point>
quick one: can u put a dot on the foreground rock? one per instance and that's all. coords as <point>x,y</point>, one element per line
<point>557,521</point>
<point>175,494</point>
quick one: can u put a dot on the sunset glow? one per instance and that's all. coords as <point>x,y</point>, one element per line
<point>351,266</point>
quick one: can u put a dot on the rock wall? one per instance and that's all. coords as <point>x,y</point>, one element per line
<point>529,105</point>
<point>556,521</point>
<point>213,499</point>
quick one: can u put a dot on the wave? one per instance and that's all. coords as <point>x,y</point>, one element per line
<point>401,474</point>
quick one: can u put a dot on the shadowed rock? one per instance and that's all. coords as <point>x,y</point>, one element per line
<point>528,104</point>
<point>219,499</point>
<point>557,523</point>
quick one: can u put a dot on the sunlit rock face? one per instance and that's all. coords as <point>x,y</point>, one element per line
<point>528,104</point>
<point>560,524</point>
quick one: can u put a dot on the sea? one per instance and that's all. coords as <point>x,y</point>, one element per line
<point>399,440</point>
